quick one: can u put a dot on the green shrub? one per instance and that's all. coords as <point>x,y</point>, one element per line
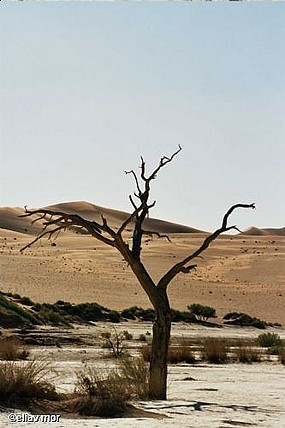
<point>244,320</point>
<point>26,301</point>
<point>182,316</point>
<point>19,316</point>
<point>140,313</point>
<point>114,316</point>
<point>202,313</point>
<point>129,313</point>
<point>51,316</point>
<point>269,340</point>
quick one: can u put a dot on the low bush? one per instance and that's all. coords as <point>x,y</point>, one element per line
<point>138,313</point>
<point>115,342</point>
<point>269,340</point>
<point>243,320</point>
<point>13,315</point>
<point>214,350</point>
<point>127,335</point>
<point>24,382</point>
<point>11,348</point>
<point>114,316</point>
<point>201,312</point>
<point>26,301</point>
<point>50,316</point>
<point>142,338</point>
<point>101,395</point>
<point>182,316</point>
<point>135,372</point>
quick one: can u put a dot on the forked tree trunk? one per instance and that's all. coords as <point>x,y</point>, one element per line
<point>159,352</point>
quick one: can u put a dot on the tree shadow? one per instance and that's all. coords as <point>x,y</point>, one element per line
<point>205,405</point>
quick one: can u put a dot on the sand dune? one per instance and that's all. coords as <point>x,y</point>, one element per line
<point>237,273</point>
<point>9,218</point>
<point>255,231</point>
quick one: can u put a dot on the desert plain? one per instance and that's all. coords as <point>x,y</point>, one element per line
<point>242,272</point>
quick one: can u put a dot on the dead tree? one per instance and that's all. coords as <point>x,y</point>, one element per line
<point>55,221</point>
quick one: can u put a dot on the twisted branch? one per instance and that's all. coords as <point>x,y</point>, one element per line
<point>64,221</point>
<point>180,266</point>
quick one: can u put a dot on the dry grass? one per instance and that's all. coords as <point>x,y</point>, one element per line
<point>11,348</point>
<point>24,382</point>
<point>108,394</point>
<point>181,353</point>
<point>247,355</point>
<point>101,395</point>
<point>146,352</point>
<point>215,350</point>
<point>135,371</point>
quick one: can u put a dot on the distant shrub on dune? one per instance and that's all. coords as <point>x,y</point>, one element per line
<point>201,312</point>
<point>14,315</point>
<point>136,312</point>
<point>243,320</point>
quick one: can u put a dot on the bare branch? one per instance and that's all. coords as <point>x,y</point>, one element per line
<point>187,269</point>
<point>163,161</point>
<point>143,196</point>
<point>42,235</point>
<point>136,179</point>
<point>64,221</point>
<point>179,267</point>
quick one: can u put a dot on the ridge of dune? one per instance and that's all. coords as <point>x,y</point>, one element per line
<point>9,218</point>
<point>116,217</point>
<point>255,231</point>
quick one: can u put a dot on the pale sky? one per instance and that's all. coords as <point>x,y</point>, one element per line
<point>88,87</point>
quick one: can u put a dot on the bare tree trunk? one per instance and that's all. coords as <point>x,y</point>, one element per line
<point>55,221</point>
<point>159,352</point>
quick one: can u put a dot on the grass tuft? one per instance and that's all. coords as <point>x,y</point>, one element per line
<point>24,382</point>
<point>214,350</point>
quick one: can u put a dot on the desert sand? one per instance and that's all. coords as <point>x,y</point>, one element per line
<point>243,272</point>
